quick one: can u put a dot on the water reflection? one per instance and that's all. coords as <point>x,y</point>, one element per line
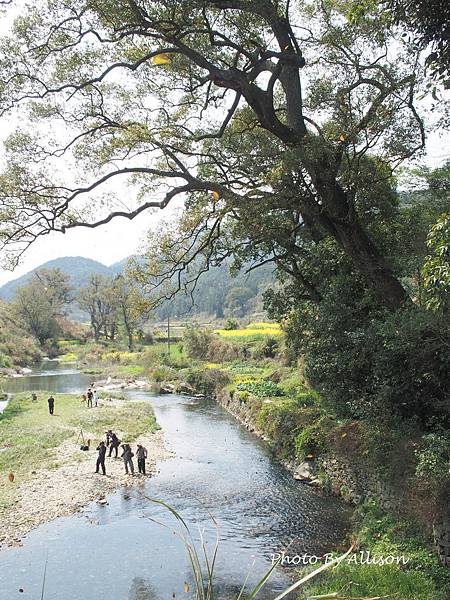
<point>52,377</point>
<point>141,589</point>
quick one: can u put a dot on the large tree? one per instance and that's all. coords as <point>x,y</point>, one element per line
<point>131,306</point>
<point>98,299</point>
<point>173,96</point>
<point>41,302</point>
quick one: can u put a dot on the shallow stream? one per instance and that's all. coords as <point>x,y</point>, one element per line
<point>222,476</point>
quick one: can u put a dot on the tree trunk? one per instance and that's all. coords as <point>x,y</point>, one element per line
<point>339,218</point>
<point>369,261</point>
<point>130,342</point>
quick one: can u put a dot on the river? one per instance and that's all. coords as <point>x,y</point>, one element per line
<point>127,550</point>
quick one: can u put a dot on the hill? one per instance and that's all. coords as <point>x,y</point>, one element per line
<point>217,294</point>
<point>78,267</point>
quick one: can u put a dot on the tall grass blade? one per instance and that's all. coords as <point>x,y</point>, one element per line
<point>43,580</point>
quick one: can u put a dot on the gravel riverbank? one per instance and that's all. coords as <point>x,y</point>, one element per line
<point>54,492</point>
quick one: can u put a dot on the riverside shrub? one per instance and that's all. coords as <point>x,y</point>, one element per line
<point>206,381</point>
<point>262,388</point>
<point>370,364</point>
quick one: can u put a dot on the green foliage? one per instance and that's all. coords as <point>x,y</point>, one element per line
<point>206,381</point>
<point>436,269</point>
<point>265,348</point>
<point>197,341</point>
<point>163,373</point>
<point>384,534</point>
<point>40,304</point>
<point>263,388</point>
<point>17,346</point>
<point>313,439</point>
<point>281,420</point>
<point>428,19</point>
<point>203,344</point>
<point>369,363</point>
<point>433,458</point>
<point>231,324</point>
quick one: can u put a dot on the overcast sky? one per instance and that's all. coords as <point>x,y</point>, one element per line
<point>122,237</point>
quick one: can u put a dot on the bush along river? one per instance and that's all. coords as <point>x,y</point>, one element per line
<point>221,475</point>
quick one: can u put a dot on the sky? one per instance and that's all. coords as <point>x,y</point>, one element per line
<point>121,237</point>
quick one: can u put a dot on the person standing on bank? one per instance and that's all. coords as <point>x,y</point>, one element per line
<point>141,454</point>
<point>51,405</point>
<point>95,397</point>
<point>127,456</point>
<point>101,458</point>
<point>90,395</point>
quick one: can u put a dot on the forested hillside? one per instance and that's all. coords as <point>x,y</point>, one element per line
<point>78,268</point>
<point>217,294</point>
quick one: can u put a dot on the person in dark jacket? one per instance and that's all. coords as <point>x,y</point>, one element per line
<point>127,456</point>
<point>141,455</point>
<point>101,458</point>
<point>114,444</point>
<point>51,405</point>
<point>90,395</point>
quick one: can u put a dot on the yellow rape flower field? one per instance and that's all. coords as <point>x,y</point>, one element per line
<point>253,331</point>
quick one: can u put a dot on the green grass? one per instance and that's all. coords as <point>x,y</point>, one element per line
<point>29,435</point>
<point>128,371</point>
<point>384,534</point>
<point>369,581</point>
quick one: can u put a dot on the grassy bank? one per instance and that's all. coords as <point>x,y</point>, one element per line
<point>30,436</point>
<point>380,535</point>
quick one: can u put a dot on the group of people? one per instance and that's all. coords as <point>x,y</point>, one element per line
<point>113,442</point>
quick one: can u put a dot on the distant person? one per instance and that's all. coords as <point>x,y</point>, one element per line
<point>33,397</point>
<point>141,455</point>
<point>51,405</point>
<point>127,456</point>
<point>108,436</point>
<point>95,396</point>
<point>114,444</point>
<point>90,395</point>
<point>101,458</point>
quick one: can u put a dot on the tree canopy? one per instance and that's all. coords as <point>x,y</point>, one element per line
<point>238,106</point>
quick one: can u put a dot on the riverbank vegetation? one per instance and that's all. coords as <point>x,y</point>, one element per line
<point>30,437</point>
<point>379,535</point>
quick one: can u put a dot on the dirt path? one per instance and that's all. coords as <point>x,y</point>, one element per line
<point>52,493</point>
